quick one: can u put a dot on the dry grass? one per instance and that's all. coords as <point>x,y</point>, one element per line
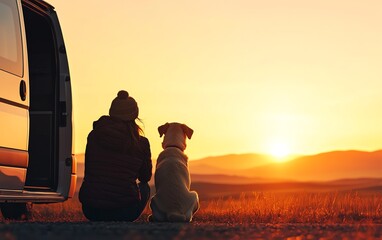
<point>257,207</point>
<point>69,211</point>
<point>298,207</point>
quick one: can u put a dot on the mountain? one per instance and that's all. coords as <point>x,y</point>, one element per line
<point>207,190</point>
<point>214,165</point>
<point>231,179</point>
<point>251,168</point>
<point>232,162</point>
<point>324,166</point>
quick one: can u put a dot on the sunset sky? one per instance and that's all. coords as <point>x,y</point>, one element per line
<point>294,76</point>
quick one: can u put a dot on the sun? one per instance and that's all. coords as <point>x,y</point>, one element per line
<point>279,151</point>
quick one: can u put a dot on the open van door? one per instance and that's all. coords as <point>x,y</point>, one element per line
<point>50,136</point>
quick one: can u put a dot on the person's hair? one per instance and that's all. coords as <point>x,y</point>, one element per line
<point>135,132</point>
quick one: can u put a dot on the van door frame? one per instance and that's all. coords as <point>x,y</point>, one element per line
<point>65,162</point>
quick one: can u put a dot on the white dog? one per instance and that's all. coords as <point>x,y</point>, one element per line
<point>173,201</point>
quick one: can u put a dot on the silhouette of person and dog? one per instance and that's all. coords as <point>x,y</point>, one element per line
<point>118,167</point>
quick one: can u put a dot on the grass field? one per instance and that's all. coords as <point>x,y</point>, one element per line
<point>251,215</point>
<point>257,207</point>
<point>297,207</point>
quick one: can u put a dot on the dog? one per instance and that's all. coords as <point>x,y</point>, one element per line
<point>173,200</point>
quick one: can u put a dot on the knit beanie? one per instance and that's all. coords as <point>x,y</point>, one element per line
<point>124,107</point>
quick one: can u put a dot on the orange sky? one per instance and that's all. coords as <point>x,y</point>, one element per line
<point>245,75</point>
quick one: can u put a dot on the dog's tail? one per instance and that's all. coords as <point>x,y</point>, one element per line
<point>176,217</point>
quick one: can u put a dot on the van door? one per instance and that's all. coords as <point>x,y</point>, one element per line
<point>50,137</point>
<point>14,101</point>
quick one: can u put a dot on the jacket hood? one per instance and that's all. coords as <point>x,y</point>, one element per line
<point>111,133</point>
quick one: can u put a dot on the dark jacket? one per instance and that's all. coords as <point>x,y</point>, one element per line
<point>113,165</point>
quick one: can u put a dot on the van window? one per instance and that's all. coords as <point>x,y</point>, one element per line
<point>10,38</point>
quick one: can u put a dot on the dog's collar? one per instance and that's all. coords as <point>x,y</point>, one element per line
<point>174,146</point>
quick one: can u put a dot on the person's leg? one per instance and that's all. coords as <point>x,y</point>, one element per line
<point>114,214</point>
<point>132,212</point>
<point>129,213</point>
<point>94,214</point>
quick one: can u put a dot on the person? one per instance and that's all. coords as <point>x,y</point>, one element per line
<point>117,155</point>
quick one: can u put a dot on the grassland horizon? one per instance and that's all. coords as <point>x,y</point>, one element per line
<point>252,167</point>
<point>348,207</point>
<point>339,201</point>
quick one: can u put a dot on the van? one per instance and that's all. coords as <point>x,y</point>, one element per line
<point>36,160</point>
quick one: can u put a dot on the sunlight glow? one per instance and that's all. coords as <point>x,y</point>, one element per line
<point>280,151</point>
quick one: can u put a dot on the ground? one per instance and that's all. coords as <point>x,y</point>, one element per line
<point>252,215</point>
<point>195,230</point>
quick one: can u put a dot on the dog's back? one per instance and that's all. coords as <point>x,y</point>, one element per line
<point>173,200</point>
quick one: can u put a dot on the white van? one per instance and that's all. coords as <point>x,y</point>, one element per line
<point>36,160</point>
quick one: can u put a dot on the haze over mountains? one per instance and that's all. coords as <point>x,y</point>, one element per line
<point>234,162</point>
<point>320,167</point>
<point>250,168</point>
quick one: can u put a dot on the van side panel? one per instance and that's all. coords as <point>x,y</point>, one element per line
<point>14,115</point>
<point>13,127</point>
<point>13,158</point>
<point>13,110</point>
<point>12,178</point>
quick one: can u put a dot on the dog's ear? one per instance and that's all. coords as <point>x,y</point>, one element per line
<point>163,129</point>
<point>188,131</point>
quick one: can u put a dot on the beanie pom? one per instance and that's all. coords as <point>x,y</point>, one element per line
<point>122,94</point>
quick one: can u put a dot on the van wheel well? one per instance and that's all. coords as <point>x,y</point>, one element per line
<point>16,211</point>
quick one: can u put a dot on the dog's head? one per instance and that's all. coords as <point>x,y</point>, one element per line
<point>175,135</point>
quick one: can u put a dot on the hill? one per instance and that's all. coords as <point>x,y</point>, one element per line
<point>232,179</point>
<point>324,166</point>
<point>250,168</point>
<point>219,164</point>
<point>214,165</point>
<point>214,190</point>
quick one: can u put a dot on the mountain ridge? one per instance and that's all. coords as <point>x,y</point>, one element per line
<point>322,166</point>
<point>249,167</point>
